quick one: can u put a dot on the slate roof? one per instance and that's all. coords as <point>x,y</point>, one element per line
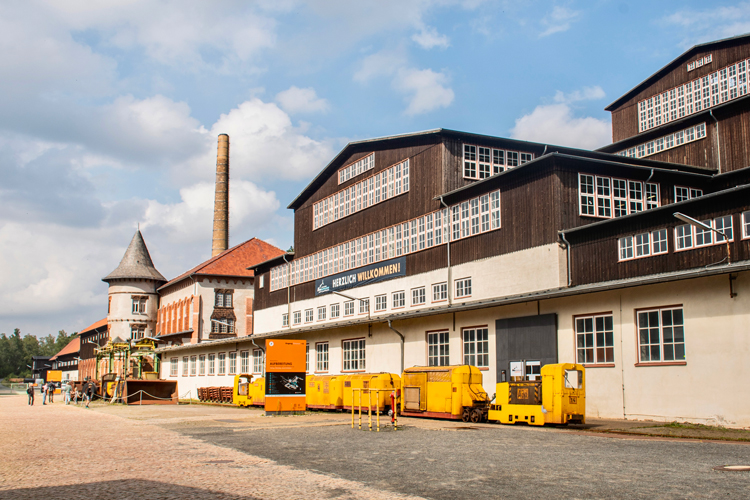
<point>136,263</point>
<point>73,347</point>
<point>233,262</point>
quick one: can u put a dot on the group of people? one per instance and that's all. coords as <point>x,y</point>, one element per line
<point>48,391</point>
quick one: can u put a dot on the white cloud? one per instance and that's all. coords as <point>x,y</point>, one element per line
<point>712,23</point>
<point>426,90</point>
<point>297,100</point>
<point>429,37</point>
<point>556,124</point>
<point>384,63</point>
<point>586,94</point>
<point>558,20</point>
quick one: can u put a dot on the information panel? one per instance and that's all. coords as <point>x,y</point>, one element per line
<point>285,376</point>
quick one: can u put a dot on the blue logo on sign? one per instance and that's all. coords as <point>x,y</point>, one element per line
<point>323,288</point>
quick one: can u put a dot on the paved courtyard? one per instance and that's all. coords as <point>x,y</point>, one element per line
<point>208,452</point>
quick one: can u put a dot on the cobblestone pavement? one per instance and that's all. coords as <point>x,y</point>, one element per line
<point>222,452</point>
<point>67,452</point>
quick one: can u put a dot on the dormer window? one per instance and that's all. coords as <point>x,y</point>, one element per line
<point>223,298</point>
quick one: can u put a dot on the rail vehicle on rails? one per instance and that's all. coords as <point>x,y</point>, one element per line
<point>557,397</point>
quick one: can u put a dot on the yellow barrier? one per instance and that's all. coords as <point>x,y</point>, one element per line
<point>369,408</point>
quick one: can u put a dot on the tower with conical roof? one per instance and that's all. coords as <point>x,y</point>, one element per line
<point>133,301</point>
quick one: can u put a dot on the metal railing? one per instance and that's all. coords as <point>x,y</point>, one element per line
<point>369,408</point>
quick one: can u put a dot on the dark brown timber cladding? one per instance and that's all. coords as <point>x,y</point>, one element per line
<point>594,254</point>
<point>625,116</point>
<point>425,160</point>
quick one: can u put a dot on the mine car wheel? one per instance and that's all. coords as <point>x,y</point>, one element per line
<point>476,416</point>
<point>465,416</point>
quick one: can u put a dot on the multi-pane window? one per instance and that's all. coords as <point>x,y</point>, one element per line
<point>139,304</point>
<point>358,167</point>
<point>212,364</point>
<point>222,363</point>
<point>348,308</point>
<point>670,141</point>
<point>202,364</point>
<point>746,224</point>
<point>321,313</point>
<point>398,299</point>
<point>285,319</point>
<point>689,236</point>
<point>225,325</point>
<point>354,354</point>
<point>642,245</point>
<point>173,366</point>
<point>335,311</point>
<point>137,331</point>
<point>476,347</point>
<point>439,292</point>
<point>609,197</point>
<point>185,362</point>
<point>297,317</point>
<point>223,299</point>
<point>364,306</point>
<point>380,187</point>
<point>417,296</point>
<point>466,219</point>
<point>259,362</point>
<point>308,315</point>
<point>321,357</point>
<point>463,288</point>
<point>661,335</point>
<point>481,162</point>
<point>437,349</point>
<point>232,363</point>
<point>245,361</point>
<point>193,364</point>
<point>682,193</point>
<point>595,339</point>
<point>381,302</point>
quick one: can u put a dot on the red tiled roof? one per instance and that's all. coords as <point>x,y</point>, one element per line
<point>97,325</point>
<point>234,261</point>
<point>72,347</point>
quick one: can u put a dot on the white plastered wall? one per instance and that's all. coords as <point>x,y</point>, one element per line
<point>121,315</point>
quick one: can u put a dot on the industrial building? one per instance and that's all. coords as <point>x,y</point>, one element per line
<point>445,247</point>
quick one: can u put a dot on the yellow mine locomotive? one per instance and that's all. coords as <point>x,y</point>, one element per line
<point>451,392</point>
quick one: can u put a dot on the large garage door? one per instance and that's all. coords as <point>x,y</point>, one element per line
<point>530,338</point>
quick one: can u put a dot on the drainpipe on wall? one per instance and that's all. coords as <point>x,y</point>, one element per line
<point>256,345</point>
<point>718,141</point>
<point>448,246</point>
<point>567,251</point>
<point>288,293</point>
<point>402,344</point>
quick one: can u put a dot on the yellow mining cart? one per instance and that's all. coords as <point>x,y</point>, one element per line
<point>558,398</point>
<point>325,392</point>
<point>453,392</point>
<point>385,382</point>
<point>248,391</point>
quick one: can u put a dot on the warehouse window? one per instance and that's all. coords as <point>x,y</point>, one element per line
<point>285,319</point>
<point>321,313</point>
<point>625,196</point>
<point>297,316</point>
<point>259,362</point>
<point>222,363</point>
<point>463,288</point>
<point>381,303</point>
<point>682,193</point>
<point>321,357</point>
<point>417,296</point>
<point>476,347</point>
<point>335,311</point>
<point>232,363</point>
<point>348,308</point>
<point>354,354</point>
<point>688,236</point>
<point>173,366</point>
<point>364,306</point>
<point>746,224</point>
<point>202,364</point>
<point>308,315</point>
<point>437,349</point>
<point>212,364</point>
<point>661,335</point>
<point>439,292</point>
<point>245,361</point>
<point>193,363</point>
<point>595,339</point>
<point>398,299</point>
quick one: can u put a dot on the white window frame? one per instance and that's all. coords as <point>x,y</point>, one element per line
<point>284,320</point>
<point>321,357</point>
<point>381,302</point>
<point>185,366</point>
<point>259,362</point>
<point>475,342</point>
<point>440,292</point>
<point>309,315</point>
<point>658,327</point>
<point>354,354</point>
<point>595,339</point>
<point>418,297</point>
<point>745,225</point>
<point>349,308</point>
<point>322,313</point>
<point>335,310</point>
<point>173,365</point>
<point>463,288</point>
<point>297,317</point>
<point>438,348</point>
<point>232,363</point>
<point>222,363</point>
<point>244,361</point>
<point>398,299</point>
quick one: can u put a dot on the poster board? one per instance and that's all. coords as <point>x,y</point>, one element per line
<point>285,376</point>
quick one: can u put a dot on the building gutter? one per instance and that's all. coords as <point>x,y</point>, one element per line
<point>718,141</point>
<point>448,246</point>
<point>402,344</point>
<point>567,253</point>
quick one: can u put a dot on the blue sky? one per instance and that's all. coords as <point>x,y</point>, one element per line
<point>109,114</point>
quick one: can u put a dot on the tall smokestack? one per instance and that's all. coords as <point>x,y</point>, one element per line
<point>221,199</point>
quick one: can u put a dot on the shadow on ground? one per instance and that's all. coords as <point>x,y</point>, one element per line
<point>119,489</point>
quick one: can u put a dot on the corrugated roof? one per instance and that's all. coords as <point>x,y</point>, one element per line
<point>233,262</point>
<point>73,347</point>
<point>136,263</point>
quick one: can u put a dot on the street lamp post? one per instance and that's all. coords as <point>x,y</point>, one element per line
<point>697,223</point>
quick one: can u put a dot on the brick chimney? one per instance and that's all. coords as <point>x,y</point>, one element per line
<point>220,240</point>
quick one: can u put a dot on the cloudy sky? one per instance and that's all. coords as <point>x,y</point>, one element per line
<point>109,111</point>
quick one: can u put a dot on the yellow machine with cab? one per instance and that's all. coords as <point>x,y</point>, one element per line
<point>453,392</point>
<point>249,392</point>
<point>558,398</point>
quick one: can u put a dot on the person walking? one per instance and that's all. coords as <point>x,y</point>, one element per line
<point>30,392</point>
<point>89,389</point>
<point>76,396</point>
<point>50,391</point>
<point>66,390</point>
<point>44,394</point>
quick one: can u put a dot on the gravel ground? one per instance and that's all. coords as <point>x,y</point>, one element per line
<point>164,452</point>
<point>67,452</point>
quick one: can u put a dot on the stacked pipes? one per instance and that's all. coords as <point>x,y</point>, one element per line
<point>220,240</point>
